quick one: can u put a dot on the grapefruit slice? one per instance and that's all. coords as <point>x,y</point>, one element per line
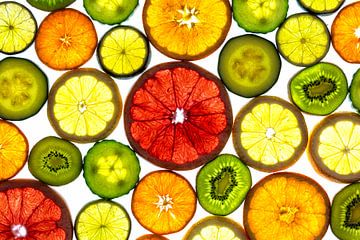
<point>179,116</point>
<point>30,210</point>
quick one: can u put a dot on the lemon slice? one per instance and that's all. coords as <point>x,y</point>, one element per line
<point>102,220</point>
<point>17,27</point>
<point>335,147</point>
<point>321,6</point>
<point>269,134</point>
<point>84,105</point>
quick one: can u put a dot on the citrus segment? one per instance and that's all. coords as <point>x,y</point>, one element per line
<point>14,149</point>
<point>84,105</point>
<point>321,6</point>
<point>163,202</point>
<point>269,134</point>
<point>151,237</point>
<point>179,115</point>
<point>187,30</point>
<point>17,27</point>
<point>66,39</point>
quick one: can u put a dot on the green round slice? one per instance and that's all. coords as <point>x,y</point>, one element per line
<point>303,39</point>
<point>249,65</point>
<point>111,169</point>
<point>321,6</point>
<point>123,51</point>
<point>102,220</point>
<point>50,5</point>
<point>355,90</point>
<point>17,27</point>
<point>260,15</point>
<point>110,12</point>
<point>23,88</point>
<point>222,184</point>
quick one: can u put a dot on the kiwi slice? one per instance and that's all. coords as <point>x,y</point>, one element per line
<point>222,184</point>
<point>55,161</point>
<point>345,213</point>
<point>319,89</point>
<point>50,5</point>
<point>355,90</point>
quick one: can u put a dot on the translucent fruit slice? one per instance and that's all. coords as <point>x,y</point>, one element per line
<point>151,237</point>
<point>179,116</point>
<point>123,51</point>
<point>102,220</point>
<point>355,90</point>
<point>50,5</point>
<point>269,134</point>
<point>286,206</point>
<point>84,105</point>
<point>334,147</point>
<point>186,29</point>
<point>14,148</point>
<point>216,228</point>
<point>303,39</point>
<point>163,202</point>
<point>321,6</point>
<point>31,210</point>
<point>17,27</point>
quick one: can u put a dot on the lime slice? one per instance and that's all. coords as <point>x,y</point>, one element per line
<point>303,39</point>
<point>321,6</point>
<point>123,51</point>
<point>17,27</point>
<point>102,220</point>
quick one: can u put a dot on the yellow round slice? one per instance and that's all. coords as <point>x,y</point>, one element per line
<point>17,27</point>
<point>303,39</point>
<point>123,51</point>
<point>84,105</point>
<point>335,147</point>
<point>269,134</point>
<point>321,6</point>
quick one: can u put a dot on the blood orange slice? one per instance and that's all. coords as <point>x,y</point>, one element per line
<point>179,116</point>
<point>30,210</point>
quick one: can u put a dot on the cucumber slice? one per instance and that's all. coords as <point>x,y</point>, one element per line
<point>23,88</point>
<point>110,12</point>
<point>260,16</point>
<point>249,65</point>
<point>50,5</point>
<point>355,90</point>
<point>111,169</point>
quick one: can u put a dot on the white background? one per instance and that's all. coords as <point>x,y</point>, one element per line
<point>77,194</point>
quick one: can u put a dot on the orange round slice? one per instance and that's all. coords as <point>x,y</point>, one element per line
<point>14,149</point>
<point>151,237</point>
<point>187,29</point>
<point>66,39</point>
<point>163,202</point>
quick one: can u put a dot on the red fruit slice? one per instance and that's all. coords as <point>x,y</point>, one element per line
<point>30,210</point>
<point>178,116</point>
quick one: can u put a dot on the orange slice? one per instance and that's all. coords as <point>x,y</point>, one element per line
<point>14,149</point>
<point>187,29</point>
<point>163,202</point>
<point>66,39</point>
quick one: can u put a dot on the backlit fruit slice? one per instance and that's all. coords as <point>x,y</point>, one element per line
<point>151,237</point>
<point>321,6</point>
<point>66,39</point>
<point>303,39</point>
<point>123,51</point>
<point>111,169</point>
<point>287,206</point>
<point>187,29</point>
<point>30,210</point>
<point>17,27</point>
<point>334,147</point>
<point>110,12</point>
<point>269,134</point>
<point>222,184</point>
<point>50,5</point>
<point>249,65</point>
<point>14,148</point>
<point>179,116</point>
<point>102,220</point>
<point>216,228</point>
<point>345,33</point>
<point>260,15</point>
<point>355,90</point>
<point>163,202</point>
<point>23,88</point>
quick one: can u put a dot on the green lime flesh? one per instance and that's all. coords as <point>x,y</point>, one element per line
<point>111,169</point>
<point>249,65</point>
<point>260,16</point>
<point>23,88</point>
<point>222,184</point>
<point>110,12</point>
<point>50,5</point>
<point>355,90</point>
<point>321,6</point>
<point>319,89</point>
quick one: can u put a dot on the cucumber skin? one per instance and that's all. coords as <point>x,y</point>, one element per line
<point>355,91</point>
